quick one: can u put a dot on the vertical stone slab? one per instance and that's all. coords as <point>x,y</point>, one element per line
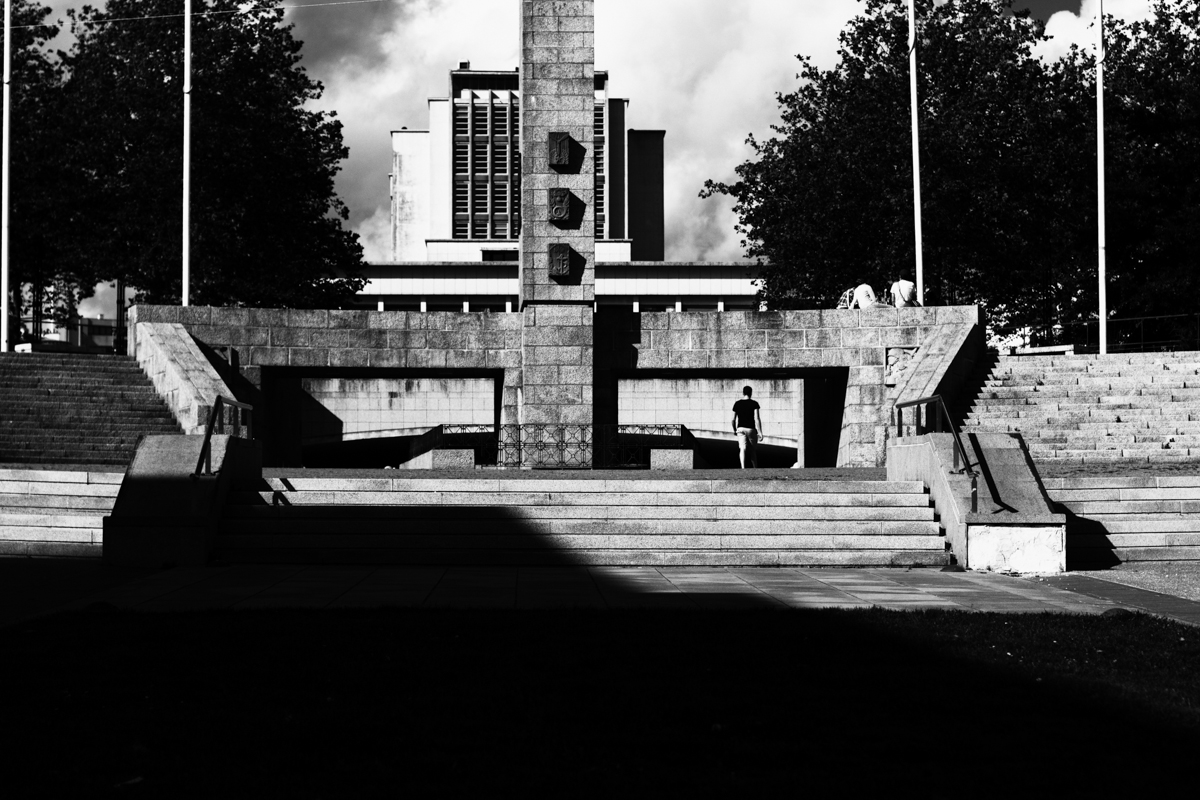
<point>557,244</point>
<point>557,107</point>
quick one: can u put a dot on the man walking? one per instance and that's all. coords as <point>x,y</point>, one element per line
<point>745,413</point>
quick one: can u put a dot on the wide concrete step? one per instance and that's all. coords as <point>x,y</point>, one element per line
<point>1085,508</point>
<point>490,515</point>
<point>54,488</point>
<point>548,556</point>
<point>1107,554</point>
<point>254,502</point>
<point>53,503</point>
<point>1114,494</point>
<point>689,487</point>
<point>35,520</point>
<point>513,499</point>
<point>588,533</point>
<point>632,521</point>
<point>1136,523</point>
<point>1140,539</point>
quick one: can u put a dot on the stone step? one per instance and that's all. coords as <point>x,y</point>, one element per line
<point>255,501</point>
<point>1105,554</point>
<point>1117,494</point>
<point>546,556</point>
<point>643,486</point>
<point>1094,443</point>
<point>554,509</point>
<point>53,503</point>
<point>1138,457</point>
<point>518,500</point>
<point>1139,523</point>
<point>455,531</point>
<point>63,521</point>
<point>1054,485</point>
<point>1090,508</point>
<point>1128,540</point>
<point>37,487</point>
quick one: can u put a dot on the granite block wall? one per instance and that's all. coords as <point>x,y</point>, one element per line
<point>557,96</point>
<point>858,340</point>
<point>316,339</point>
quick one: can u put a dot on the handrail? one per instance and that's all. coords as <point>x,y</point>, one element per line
<point>943,415</point>
<point>217,420</point>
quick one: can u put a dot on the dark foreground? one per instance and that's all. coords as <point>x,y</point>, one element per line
<point>566,703</point>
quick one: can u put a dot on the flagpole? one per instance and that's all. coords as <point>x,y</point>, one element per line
<point>1100,228</point>
<point>187,148</point>
<point>4,159</point>
<point>916,154</point>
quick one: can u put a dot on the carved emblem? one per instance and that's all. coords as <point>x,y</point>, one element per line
<point>560,260</point>
<point>560,205</point>
<point>560,149</point>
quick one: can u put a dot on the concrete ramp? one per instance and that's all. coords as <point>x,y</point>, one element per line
<point>1009,525</point>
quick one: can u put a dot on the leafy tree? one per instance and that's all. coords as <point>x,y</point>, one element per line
<point>1004,160</point>
<point>36,142</point>
<point>1152,119</point>
<point>266,222</point>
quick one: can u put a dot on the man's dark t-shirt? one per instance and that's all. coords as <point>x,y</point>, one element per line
<point>745,409</point>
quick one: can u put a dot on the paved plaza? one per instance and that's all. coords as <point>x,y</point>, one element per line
<point>32,588</point>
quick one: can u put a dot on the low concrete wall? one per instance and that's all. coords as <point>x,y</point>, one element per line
<point>181,374</point>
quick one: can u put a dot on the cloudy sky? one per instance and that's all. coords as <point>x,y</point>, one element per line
<point>706,71</point>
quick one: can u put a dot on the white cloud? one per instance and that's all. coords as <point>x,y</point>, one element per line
<point>375,235</point>
<point>1067,28</point>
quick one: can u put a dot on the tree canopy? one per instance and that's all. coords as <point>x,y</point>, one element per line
<point>1008,176</point>
<point>266,222</point>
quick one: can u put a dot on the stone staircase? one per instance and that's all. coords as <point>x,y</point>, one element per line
<point>1134,407</point>
<point>55,512</point>
<point>76,409</point>
<point>530,521</point>
<point>1117,519</point>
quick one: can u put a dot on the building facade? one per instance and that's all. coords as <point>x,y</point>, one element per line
<point>455,185</point>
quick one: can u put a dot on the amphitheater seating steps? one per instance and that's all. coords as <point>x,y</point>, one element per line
<point>1133,407</point>
<point>642,521</point>
<point>1114,519</point>
<point>55,512</point>
<point>76,409</point>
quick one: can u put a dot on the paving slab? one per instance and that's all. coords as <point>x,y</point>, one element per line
<point>39,587</point>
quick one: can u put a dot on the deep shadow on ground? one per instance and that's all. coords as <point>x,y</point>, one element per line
<point>570,703</point>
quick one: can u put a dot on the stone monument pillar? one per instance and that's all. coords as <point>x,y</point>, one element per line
<point>557,245</point>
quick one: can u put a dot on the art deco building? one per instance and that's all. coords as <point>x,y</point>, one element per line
<point>456,214</point>
<point>455,192</point>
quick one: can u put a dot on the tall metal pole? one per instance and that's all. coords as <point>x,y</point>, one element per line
<point>187,149</point>
<point>4,157</point>
<point>1100,265</point>
<point>916,154</point>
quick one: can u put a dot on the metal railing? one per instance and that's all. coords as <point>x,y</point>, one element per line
<point>942,420</point>
<point>1162,333</point>
<point>216,424</point>
<point>557,446</point>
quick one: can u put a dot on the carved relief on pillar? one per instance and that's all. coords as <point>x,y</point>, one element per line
<point>560,205</point>
<point>560,149</point>
<point>560,260</point>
